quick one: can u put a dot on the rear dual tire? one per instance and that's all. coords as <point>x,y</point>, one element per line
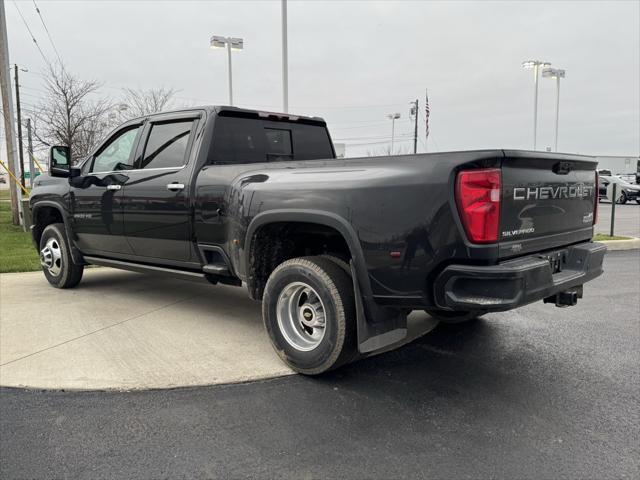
<point>308,309</point>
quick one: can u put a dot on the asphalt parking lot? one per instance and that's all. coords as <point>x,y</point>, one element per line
<point>540,392</point>
<point>627,220</point>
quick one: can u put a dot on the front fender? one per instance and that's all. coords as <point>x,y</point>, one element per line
<point>76,254</point>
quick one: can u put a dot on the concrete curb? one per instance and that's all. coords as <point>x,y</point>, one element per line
<point>632,243</point>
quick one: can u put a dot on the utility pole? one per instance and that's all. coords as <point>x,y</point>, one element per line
<point>285,60</point>
<point>32,167</point>
<point>7,111</point>
<point>19,116</point>
<point>414,112</point>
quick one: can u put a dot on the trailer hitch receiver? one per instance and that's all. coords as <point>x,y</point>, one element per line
<point>568,298</point>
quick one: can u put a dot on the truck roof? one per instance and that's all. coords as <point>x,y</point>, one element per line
<point>225,110</point>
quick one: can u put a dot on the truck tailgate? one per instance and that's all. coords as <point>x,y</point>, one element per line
<point>548,200</point>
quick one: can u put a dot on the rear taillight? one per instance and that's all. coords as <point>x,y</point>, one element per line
<point>596,200</point>
<point>478,200</point>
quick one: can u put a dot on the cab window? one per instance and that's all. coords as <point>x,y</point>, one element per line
<point>117,154</point>
<point>238,140</point>
<point>167,144</point>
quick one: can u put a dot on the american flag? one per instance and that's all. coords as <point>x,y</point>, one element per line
<point>427,112</point>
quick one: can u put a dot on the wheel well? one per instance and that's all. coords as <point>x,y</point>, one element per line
<point>45,216</point>
<point>274,243</point>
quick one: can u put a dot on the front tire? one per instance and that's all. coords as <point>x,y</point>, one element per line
<point>308,309</point>
<point>56,260</point>
<point>623,199</point>
<point>453,317</point>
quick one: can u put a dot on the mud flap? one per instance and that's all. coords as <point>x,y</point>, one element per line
<point>76,255</point>
<point>378,327</point>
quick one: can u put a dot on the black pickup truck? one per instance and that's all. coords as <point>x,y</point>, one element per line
<point>338,250</point>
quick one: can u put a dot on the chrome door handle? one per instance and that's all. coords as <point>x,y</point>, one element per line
<point>114,187</point>
<point>174,187</point>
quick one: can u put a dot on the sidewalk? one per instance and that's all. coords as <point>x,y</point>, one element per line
<point>122,330</point>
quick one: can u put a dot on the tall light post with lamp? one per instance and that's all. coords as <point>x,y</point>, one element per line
<point>285,58</point>
<point>393,117</point>
<point>535,65</point>
<point>231,43</point>
<point>556,73</point>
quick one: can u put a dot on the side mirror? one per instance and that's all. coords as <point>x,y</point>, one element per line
<point>59,161</point>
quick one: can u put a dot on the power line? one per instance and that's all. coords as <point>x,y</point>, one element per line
<point>372,125</point>
<point>33,88</point>
<point>47,30</point>
<point>29,94</point>
<point>377,137</point>
<point>31,33</point>
<point>379,143</point>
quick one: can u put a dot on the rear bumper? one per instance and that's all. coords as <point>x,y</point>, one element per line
<point>518,282</point>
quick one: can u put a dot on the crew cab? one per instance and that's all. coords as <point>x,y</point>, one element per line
<point>339,251</point>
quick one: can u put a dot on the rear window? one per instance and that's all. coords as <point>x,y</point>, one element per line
<point>248,140</point>
<point>279,145</point>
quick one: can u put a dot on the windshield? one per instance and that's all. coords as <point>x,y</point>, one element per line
<point>618,180</point>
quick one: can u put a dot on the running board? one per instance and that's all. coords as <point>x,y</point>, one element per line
<point>142,268</point>
<point>216,269</point>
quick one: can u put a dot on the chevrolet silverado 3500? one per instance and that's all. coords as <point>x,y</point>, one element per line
<point>339,251</point>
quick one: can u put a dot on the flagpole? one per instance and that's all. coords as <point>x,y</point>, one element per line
<point>426,120</point>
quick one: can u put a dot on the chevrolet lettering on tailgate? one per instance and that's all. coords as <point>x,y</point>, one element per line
<point>547,193</point>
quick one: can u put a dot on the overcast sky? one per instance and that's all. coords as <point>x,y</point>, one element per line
<point>354,62</point>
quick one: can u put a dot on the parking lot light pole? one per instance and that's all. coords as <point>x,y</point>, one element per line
<point>231,43</point>
<point>556,73</point>
<point>393,117</point>
<point>535,65</point>
<point>285,59</point>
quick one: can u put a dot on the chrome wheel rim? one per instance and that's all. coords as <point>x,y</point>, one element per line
<point>301,316</point>
<point>51,257</point>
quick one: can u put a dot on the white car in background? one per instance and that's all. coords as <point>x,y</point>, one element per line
<point>625,191</point>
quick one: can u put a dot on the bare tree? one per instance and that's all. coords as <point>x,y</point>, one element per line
<point>386,151</point>
<point>69,115</point>
<point>145,102</point>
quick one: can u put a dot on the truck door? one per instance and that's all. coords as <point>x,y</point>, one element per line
<point>156,201</point>
<point>96,197</point>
